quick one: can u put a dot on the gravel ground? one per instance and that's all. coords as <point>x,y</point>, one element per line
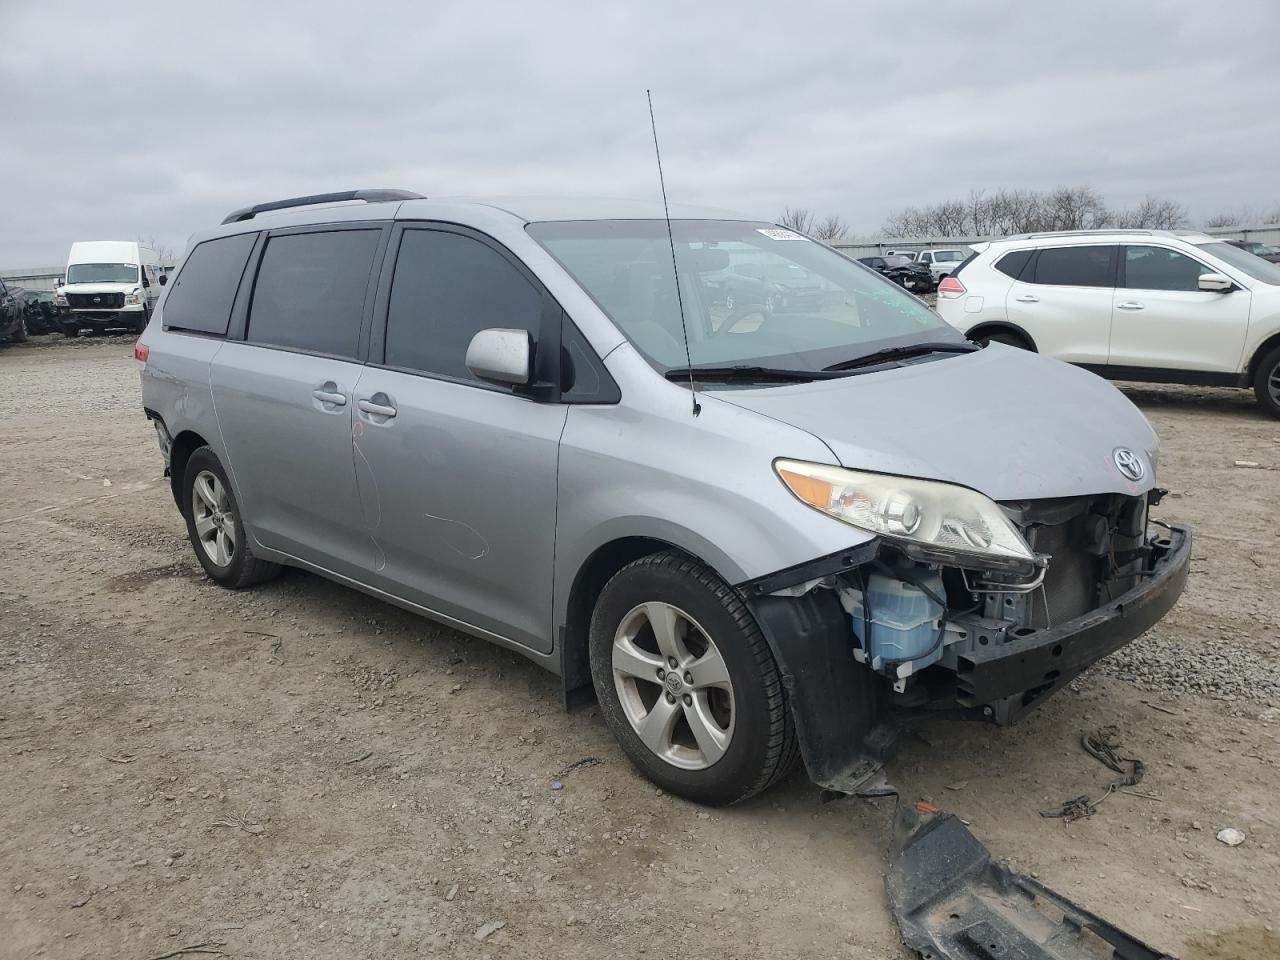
<point>301,771</point>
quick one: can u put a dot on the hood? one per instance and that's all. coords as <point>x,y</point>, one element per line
<point>1008,423</point>
<point>100,287</point>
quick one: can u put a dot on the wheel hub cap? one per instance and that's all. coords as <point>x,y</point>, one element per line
<point>673,685</point>
<point>214,518</point>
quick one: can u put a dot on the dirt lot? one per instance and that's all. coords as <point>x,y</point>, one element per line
<point>301,771</point>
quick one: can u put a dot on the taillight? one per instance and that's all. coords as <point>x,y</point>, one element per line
<point>951,288</point>
<point>141,351</point>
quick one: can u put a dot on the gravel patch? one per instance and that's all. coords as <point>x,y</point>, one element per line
<point>1156,663</point>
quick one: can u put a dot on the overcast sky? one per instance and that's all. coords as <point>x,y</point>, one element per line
<point>130,119</point>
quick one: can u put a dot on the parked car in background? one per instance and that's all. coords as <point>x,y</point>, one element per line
<point>753,541</point>
<point>13,314</point>
<point>109,284</point>
<point>903,271</point>
<point>1264,250</point>
<point>1153,305</point>
<point>40,311</point>
<point>941,262</point>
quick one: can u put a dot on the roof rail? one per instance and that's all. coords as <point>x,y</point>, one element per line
<point>368,196</point>
<point>1085,233</point>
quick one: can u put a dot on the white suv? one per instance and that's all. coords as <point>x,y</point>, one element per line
<point>1128,304</point>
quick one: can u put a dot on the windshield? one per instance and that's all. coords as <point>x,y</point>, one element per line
<point>1243,260</point>
<point>102,273</point>
<point>753,293</point>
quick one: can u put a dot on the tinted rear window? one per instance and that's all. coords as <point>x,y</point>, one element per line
<point>1075,266</point>
<point>1011,264</point>
<point>203,292</point>
<point>310,291</point>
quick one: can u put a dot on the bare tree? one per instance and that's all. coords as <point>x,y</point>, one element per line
<point>799,219</point>
<point>1246,215</point>
<point>1153,213</point>
<point>166,254</point>
<point>830,227</point>
<point>1003,211</point>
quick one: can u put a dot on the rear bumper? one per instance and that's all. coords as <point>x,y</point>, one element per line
<point>1029,668</point>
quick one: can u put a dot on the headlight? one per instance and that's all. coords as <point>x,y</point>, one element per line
<point>60,300</point>
<point>133,298</point>
<point>933,520</point>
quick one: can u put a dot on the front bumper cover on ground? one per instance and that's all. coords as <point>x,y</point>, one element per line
<point>952,901</point>
<point>1036,663</point>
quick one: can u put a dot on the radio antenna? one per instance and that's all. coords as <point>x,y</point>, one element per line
<point>675,270</point>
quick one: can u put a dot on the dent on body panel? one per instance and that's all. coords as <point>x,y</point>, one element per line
<point>177,384</point>
<point>456,535</point>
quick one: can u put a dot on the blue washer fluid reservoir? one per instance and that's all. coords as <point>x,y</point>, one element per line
<point>906,623</point>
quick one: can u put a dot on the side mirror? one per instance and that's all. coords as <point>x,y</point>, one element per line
<point>1215,283</point>
<point>501,356</point>
<point>163,279</point>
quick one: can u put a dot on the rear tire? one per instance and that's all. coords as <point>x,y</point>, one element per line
<point>21,334</point>
<point>215,527</point>
<point>728,733</point>
<point>1266,382</point>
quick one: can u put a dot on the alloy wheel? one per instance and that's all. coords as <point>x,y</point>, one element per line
<point>215,519</point>
<point>673,685</point>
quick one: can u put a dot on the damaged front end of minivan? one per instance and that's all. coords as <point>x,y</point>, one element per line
<point>959,603</point>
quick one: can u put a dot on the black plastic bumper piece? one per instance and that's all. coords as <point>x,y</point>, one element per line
<point>1038,662</point>
<point>953,902</point>
<point>836,702</point>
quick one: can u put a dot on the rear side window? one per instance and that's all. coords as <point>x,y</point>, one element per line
<point>204,290</point>
<point>1012,264</point>
<point>311,289</point>
<point>1158,268</point>
<point>1075,267</point>
<point>447,288</point>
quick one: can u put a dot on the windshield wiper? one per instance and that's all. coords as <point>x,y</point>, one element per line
<point>743,373</point>
<point>901,352</point>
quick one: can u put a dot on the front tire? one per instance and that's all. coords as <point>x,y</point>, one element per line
<point>1266,383</point>
<point>215,527</point>
<point>687,683</point>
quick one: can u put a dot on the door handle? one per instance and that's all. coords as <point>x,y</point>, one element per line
<point>376,409</point>
<point>328,394</point>
<point>1130,305</point>
<point>1027,298</point>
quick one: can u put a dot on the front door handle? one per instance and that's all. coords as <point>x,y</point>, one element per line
<point>328,393</point>
<point>1130,305</point>
<point>1027,298</point>
<point>375,409</point>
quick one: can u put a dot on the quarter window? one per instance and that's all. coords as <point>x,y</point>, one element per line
<point>201,296</point>
<point>1012,264</point>
<point>1075,266</point>
<point>311,289</point>
<point>447,288</point>
<point>1158,268</point>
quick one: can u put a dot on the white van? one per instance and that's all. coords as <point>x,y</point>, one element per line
<point>109,283</point>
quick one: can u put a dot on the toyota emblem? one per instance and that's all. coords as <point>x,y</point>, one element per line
<point>1128,463</point>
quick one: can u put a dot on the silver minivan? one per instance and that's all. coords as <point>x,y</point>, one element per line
<point>755,529</point>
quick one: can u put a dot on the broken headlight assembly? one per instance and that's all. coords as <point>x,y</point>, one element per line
<point>928,520</point>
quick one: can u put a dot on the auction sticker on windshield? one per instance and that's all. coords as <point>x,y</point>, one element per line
<point>773,234</point>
